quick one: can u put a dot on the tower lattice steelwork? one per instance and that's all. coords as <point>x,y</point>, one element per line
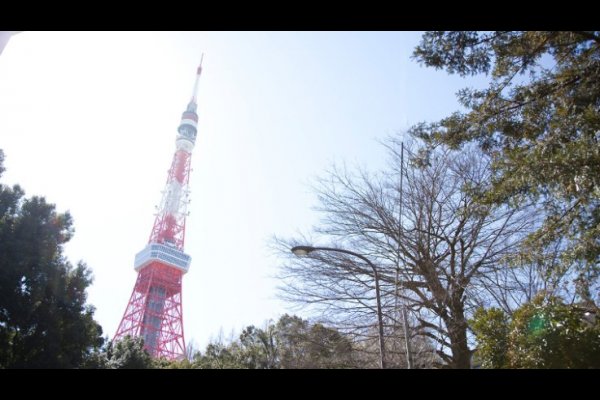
<point>154,311</point>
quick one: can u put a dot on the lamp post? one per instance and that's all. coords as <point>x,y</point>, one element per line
<point>305,250</point>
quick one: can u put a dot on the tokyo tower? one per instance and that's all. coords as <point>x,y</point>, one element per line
<point>154,311</point>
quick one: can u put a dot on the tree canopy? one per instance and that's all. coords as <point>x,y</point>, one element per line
<point>44,319</point>
<point>128,353</point>
<point>538,120</point>
<point>290,343</point>
<point>545,333</point>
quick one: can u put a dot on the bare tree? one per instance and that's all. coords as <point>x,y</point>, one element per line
<point>445,243</point>
<point>190,350</point>
<point>423,350</point>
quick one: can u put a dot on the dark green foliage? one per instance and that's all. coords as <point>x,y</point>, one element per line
<point>290,343</point>
<point>491,328</point>
<point>97,358</point>
<point>545,333</point>
<point>258,349</point>
<point>539,121</point>
<point>219,356</point>
<point>128,353</point>
<point>305,345</point>
<point>163,363</point>
<point>44,321</point>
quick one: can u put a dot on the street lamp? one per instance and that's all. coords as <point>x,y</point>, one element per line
<point>305,250</point>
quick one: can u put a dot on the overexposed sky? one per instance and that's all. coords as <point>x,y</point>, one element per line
<point>89,120</point>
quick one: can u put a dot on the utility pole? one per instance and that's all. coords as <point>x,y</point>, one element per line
<point>409,361</point>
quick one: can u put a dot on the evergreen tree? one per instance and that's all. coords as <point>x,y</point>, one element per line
<point>539,121</point>
<point>44,319</point>
<point>290,343</point>
<point>129,353</point>
<point>546,333</point>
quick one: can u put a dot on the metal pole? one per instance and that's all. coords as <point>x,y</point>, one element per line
<point>377,298</point>
<point>409,363</point>
<point>308,249</point>
<point>409,360</point>
<point>379,317</point>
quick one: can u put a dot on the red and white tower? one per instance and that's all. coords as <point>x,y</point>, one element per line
<point>154,311</point>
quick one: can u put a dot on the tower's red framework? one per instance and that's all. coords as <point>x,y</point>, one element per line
<point>154,311</point>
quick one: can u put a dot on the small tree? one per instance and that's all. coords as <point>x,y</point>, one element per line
<point>128,353</point>
<point>305,345</point>
<point>545,333</point>
<point>491,328</point>
<point>291,343</point>
<point>258,349</point>
<point>219,356</point>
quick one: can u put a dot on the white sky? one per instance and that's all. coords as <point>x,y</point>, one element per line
<point>88,120</point>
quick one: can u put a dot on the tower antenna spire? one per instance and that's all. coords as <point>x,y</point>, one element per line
<point>198,73</point>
